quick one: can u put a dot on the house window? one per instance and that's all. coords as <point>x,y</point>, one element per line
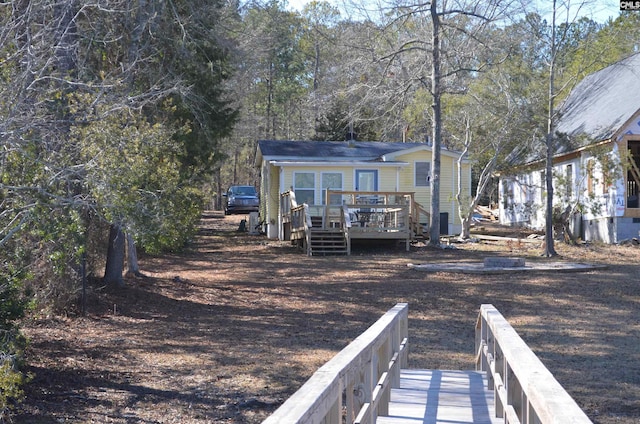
<point>633,179</point>
<point>366,180</point>
<point>332,181</point>
<point>304,186</point>
<point>507,193</point>
<point>423,174</point>
<point>543,186</point>
<point>569,181</point>
<point>591,179</point>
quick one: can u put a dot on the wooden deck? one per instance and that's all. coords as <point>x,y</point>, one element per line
<point>368,383</point>
<point>351,215</point>
<point>441,397</point>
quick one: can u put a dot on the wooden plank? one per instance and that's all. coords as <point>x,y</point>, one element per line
<point>505,239</point>
<point>441,397</point>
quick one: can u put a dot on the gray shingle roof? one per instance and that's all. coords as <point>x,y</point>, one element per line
<point>602,102</point>
<point>336,150</point>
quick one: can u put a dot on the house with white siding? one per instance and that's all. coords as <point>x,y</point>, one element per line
<point>378,171</point>
<point>596,161</point>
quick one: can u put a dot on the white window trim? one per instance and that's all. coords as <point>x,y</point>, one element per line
<point>315,183</point>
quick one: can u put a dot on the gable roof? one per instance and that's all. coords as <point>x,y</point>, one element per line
<point>332,150</point>
<point>602,103</point>
<point>340,151</point>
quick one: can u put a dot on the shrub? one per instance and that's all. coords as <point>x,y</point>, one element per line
<point>13,304</point>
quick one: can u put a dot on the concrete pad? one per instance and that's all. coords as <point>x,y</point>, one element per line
<point>502,262</point>
<point>480,268</point>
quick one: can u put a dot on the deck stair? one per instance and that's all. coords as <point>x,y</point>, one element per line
<point>326,241</point>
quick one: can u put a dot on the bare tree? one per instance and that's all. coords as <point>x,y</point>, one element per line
<point>549,249</point>
<point>442,59</point>
<point>558,45</point>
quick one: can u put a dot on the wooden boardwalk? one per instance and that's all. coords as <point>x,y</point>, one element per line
<point>441,397</point>
<point>367,382</point>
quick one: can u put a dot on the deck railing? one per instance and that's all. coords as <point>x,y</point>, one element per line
<point>525,390</point>
<point>388,210</point>
<point>346,226</point>
<point>354,386</point>
<point>300,219</point>
<point>287,202</point>
<point>420,219</point>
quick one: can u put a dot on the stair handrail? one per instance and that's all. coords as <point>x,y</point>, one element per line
<point>287,203</point>
<point>525,390</point>
<point>307,227</point>
<point>416,210</point>
<point>363,372</point>
<point>345,224</point>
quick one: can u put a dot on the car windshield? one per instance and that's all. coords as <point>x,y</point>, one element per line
<point>243,191</point>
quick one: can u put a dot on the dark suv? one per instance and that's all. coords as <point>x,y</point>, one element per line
<point>241,199</point>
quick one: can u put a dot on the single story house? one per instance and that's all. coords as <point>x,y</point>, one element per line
<point>595,163</point>
<point>310,168</point>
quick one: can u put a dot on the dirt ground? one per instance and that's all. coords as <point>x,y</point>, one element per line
<point>226,331</point>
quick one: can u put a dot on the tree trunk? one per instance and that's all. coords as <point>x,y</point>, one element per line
<point>565,218</point>
<point>465,213</point>
<point>465,233</point>
<point>137,30</point>
<point>268,128</point>
<point>219,189</point>
<point>483,182</point>
<point>436,126</point>
<point>66,37</point>
<point>132,257</point>
<point>549,249</point>
<point>115,257</point>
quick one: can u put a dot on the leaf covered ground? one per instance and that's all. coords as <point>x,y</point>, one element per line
<point>227,330</point>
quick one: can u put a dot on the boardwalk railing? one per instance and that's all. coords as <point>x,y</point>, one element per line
<point>525,390</point>
<point>354,386</point>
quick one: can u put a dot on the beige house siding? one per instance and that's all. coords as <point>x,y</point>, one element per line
<point>448,187</point>
<point>408,176</point>
<point>272,203</point>
<point>448,182</point>
<point>387,179</point>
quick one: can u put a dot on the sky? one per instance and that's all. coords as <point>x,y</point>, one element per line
<point>598,10</point>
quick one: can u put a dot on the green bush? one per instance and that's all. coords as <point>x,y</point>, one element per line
<point>175,224</point>
<point>13,304</point>
<point>56,241</point>
<point>11,382</point>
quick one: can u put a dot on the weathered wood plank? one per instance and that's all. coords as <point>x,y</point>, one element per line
<point>439,397</point>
